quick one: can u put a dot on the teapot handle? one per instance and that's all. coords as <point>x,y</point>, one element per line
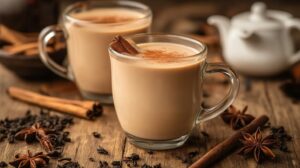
<point>294,23</point>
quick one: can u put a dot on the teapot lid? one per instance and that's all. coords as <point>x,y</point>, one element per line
<point>260,18</point>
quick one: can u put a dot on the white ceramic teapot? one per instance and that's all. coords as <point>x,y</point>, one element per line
<point>258,42</point>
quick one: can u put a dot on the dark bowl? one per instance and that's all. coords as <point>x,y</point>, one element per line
<point>30,67</point>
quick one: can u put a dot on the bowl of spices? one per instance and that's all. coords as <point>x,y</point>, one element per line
<point>19,53</point>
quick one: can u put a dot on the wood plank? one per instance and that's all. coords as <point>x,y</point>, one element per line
<point>264,98</point>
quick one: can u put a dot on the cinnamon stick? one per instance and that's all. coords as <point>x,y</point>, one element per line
<point>123,46</point>
<point>228,145</point>
<point>14,37</point>
<point>15,49</point>
<point>83,109</point>
<point>35,51</point>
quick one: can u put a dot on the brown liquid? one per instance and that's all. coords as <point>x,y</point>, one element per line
<point>88,44</point>
<point>157,99</point>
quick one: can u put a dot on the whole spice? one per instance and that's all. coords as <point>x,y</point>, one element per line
<point>103,164</point>
<point>116,164</point>
<point>222,149</point>
<point>236,118</point>
<point>29,160</point>
<point>257,145</point>
<point>96,134</point>
<point>3,164</point>
<point>101,150</point>
<point>84,109</point>
<point>92,159</point>
<point>188,158</point>
<point>150,152</point>
<point>65,159</point>
<point>154,166</point>
<point>69,164</point>
<point>55,153</point>
<point>132,160</point>
<point>281,137</point>
<point>123,46</point>
<point>36,132</point>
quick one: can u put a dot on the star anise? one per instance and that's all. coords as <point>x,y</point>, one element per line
<point>36,132</point>
<point>236,118</point>
<point>257,145</point>
<point>29,160</point>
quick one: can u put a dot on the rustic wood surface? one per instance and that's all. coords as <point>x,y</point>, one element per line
<point>264,97</point>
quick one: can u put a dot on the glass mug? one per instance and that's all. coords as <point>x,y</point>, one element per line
<point>158,102</point>
<point>88,28</point>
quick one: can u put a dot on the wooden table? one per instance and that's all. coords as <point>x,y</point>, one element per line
<point>263,98</point>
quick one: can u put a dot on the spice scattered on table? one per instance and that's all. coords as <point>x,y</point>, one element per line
<point>154,166</point>
<point>282,137</point>
<point>102,151</point>
<point>150,152</point>
<point>258,146</point>
<point>68,164</point>
<point>96,134</point>
<point>92,159</point>
<point>236,118</point>
<point>116,164</point>
<point>45,128</point>
<point>103,164</point>
<point>132,160</point>
<point>30,160</point>
<point>3,164</point>
<point>64,159</point>
<point>57,153</point>
<point>188,158</point>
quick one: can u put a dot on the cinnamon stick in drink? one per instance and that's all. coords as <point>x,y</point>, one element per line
<point>83,109</point>
<point>123,46</point>
<point>224,148</point>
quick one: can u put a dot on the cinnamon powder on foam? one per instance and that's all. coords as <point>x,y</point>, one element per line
<point>161,56</point>
<point>105,19</point>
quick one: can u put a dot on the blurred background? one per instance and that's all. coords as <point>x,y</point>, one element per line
<point>33,15</point>
<point>174,16</point>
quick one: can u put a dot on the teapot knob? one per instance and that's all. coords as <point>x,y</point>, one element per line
<point>258,11</point>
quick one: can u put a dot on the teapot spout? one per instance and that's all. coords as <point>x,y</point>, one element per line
<point>222,23</point>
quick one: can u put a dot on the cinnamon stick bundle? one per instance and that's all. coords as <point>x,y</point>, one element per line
<point>83,109</point>
<point>25,43</point>
<point>14,37</point>
<point>224,148</point>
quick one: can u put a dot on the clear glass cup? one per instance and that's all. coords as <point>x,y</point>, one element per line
<point>158,103</point>
<point>87,42</point>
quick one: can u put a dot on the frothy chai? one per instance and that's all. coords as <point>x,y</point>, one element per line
<point>159,97</point>
<point>89,34</point>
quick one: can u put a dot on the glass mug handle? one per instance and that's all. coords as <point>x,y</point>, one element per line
<point>212,112</point>
<point>47,34</point>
